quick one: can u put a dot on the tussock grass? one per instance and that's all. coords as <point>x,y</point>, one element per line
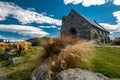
<point>20,47</point>
<point>77,55</point>
<point>65,53</point>
<point>3,45</point>
<point>56,45</point>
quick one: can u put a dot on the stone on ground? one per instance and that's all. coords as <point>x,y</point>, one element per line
<point>42,73</point>
<point>79,74</point>
<point>14,60</point>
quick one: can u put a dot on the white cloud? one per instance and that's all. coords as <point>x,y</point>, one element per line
<point>23,30</point>
<point>72,1</point>
<point>11,39</point>
<point>116,27</point>
<point>117,16</point>
<point>25,16</point>
<point>116,2</point>
<point>93,2</point>
<point>48,26</point>
<point>111,28</point>
<point>59,28</point>
<point>86,3</point>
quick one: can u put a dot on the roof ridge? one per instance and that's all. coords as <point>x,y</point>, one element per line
<point>99,25</point>
<point>89,20</point>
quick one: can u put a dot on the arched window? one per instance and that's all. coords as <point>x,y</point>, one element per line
<point>73,32</point>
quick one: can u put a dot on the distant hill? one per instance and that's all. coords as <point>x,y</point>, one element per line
<point>38,41</point>
<point>1,40</point>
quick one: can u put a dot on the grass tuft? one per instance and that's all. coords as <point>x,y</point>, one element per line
<point>56,45</point>
<point>70,54</point>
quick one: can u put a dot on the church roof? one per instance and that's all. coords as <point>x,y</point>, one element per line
<point>94,23</point>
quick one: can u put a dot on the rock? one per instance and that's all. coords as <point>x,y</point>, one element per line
<point>78,74</point>
<point>42,73</point>
<point>15,60</point>
<point>34,78</point>
<point>6,55</point>
<point>2,77</point>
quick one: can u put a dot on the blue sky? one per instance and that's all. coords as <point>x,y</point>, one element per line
<point>24,19</point>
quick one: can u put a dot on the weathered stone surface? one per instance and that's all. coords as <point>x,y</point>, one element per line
<point>15,60</point>
<point>6,55</point>
<point>78,26</point>
<point>78,74</point>
<point>42,73</point>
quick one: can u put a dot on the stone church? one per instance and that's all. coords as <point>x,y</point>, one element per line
<point>78,26</point>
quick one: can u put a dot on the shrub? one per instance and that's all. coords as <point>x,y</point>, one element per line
<point>116,41</point>
<point>78,55</point>
<point>20,47</point>
<point>38,41</point>
<point>73,55</point>
<point>3,45</point>
<point>57,44</point>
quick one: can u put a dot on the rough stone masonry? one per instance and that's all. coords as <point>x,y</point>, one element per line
<point>78,26</point>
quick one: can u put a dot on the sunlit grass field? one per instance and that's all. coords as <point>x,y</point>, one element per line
<point>107,62</point>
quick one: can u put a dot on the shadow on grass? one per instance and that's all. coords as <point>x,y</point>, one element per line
<point>20,75</point>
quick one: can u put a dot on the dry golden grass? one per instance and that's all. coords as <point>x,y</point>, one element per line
<point>76,54</point>
<point>3,45</point>
<point>57,44</point>
<point>20,47</point>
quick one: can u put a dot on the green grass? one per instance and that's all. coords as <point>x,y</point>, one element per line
<point>107,61</point>
<point>23,70</point>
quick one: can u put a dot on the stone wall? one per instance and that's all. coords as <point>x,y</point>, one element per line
<point>77,26</point>
<point>74,21</point>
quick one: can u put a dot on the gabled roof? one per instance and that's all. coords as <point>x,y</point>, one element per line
<point>94,23</point>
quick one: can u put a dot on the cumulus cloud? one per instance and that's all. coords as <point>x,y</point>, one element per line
<point>23,30</point>
<point>116,27</point>
<point>117,16</point>
<point>59,28</point>
<point>116,2</point>
<point>86,3</point>
<point>72,1</point>
<point>111,28</point>
<point>11,39</point>
<point>25,16</point>
<point>48,26</point>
